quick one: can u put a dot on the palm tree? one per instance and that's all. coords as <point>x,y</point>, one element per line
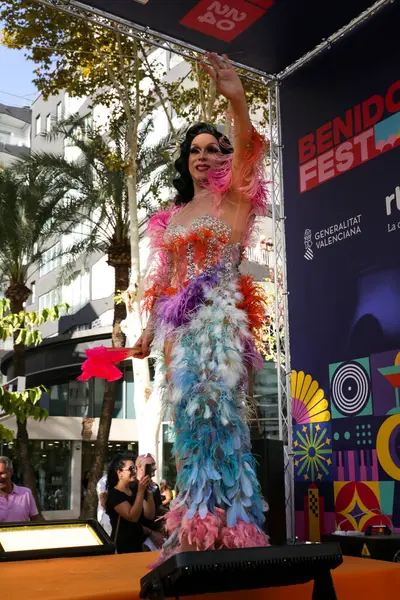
<point>97,195</point>
<point>27,204</point>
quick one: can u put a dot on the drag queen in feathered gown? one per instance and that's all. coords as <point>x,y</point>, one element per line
<point>204,322</point>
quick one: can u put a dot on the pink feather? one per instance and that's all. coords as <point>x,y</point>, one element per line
<point>201,533</point>
<point>243,535</point>
<point>157,277</point>
<point>173,519</point>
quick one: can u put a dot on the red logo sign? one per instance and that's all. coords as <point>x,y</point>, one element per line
<point>223,20</point>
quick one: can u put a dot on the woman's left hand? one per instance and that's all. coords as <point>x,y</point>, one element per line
<point>227,80</point>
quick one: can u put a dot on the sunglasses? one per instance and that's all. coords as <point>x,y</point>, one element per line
<point>132,469</point>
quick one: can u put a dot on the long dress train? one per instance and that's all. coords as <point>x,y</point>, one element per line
<point>209,315</point>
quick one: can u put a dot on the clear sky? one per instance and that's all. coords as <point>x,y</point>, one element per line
<point>16,75</point>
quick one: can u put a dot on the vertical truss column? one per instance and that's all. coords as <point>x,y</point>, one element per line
<point>281,300</point>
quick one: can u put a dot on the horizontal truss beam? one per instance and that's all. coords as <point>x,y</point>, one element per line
<point>116,24</point>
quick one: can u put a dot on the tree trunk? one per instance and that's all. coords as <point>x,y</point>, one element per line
<point>141,372</point>
<point>89,507</point>
<point>18,293</point>
<point>117,259</point>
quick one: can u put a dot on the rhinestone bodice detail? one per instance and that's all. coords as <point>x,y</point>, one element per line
<point>196,248</point>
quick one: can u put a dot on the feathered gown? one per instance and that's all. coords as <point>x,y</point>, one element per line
<point>209,316</point>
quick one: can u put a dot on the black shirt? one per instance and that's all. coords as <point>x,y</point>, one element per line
<point>153,523</point>
<point>130,536</point>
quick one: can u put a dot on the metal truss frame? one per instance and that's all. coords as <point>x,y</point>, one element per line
<point>101,18</point>
<point>281,298</point>
<point>77,9</point>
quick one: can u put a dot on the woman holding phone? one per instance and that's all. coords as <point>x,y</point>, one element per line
<point>129,500</point>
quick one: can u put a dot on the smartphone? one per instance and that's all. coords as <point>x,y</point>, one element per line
<point>148,470</point>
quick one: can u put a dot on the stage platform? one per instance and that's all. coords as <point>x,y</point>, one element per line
<point>118,578</point>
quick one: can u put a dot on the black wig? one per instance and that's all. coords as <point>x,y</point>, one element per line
<point>117,464</point>
<point>184,183</point>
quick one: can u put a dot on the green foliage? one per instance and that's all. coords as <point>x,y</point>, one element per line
<point>21,405</point>
<point>27,204</point>
<point>94,186</point>
<point>23,324</point>
<point>193,96</point>
<point>70,54</point>
<point>88,59</point>
<point>272,328</point>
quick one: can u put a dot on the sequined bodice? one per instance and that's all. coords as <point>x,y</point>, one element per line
<point>196,248</point>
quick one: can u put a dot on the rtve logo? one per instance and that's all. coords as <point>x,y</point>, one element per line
<point>390,199</point>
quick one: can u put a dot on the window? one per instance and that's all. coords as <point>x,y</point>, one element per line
<point>38,125</point>
<point>50,299</point>
<point>5,137</point>
<point>77,292</point>
<point>266,396</point>
<point>48,123</point>
<point>85,398</point>
<point>89,452</point>
<point>78,234</point>
<point>33,292</point>
<point>77,328</point>
<point>59,111</point>
<point>51,259</point>
<point>51,461</point>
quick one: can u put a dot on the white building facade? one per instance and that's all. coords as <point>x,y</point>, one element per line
<point>15,133</point>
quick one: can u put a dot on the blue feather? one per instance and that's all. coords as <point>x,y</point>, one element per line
<point>227,479</point>
<point>242,514</point>
<point>192,511</point>
<point>212,472</point>
<point>203,510</point>
<point>197,495</point>
<point>246,485</point>
<point>231,515</point>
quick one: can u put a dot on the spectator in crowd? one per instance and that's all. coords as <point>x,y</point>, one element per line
<point>102,516</point>
<point>141,462</point>
<point>128,501</point>
<point>166,493</point>
<point>16,502</point>
<point>152,527</point>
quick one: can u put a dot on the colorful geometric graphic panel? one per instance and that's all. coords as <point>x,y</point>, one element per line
<point>388,446</point>
<point>357,505</point>
<point>314,508</point>
<point>309,404</point>
<point>386,493</point>
<point>312,448</point>
<point>355,433</point>
<point>355,465</point>
<point>385,376</point>
<point>350,389</point>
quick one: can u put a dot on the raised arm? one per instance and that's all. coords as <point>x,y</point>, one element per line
<point>149,508</point>
<point>133,513</point>
<point>229,85</point>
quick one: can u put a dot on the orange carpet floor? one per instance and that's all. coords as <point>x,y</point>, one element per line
<point>118,578</point>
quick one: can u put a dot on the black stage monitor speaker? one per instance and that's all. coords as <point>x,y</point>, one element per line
<point>271,474</point>
<point>53,539</point>
<point>378,547</point>
<point>217,571</point>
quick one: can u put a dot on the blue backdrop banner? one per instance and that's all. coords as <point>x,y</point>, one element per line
<point>341,137</point>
